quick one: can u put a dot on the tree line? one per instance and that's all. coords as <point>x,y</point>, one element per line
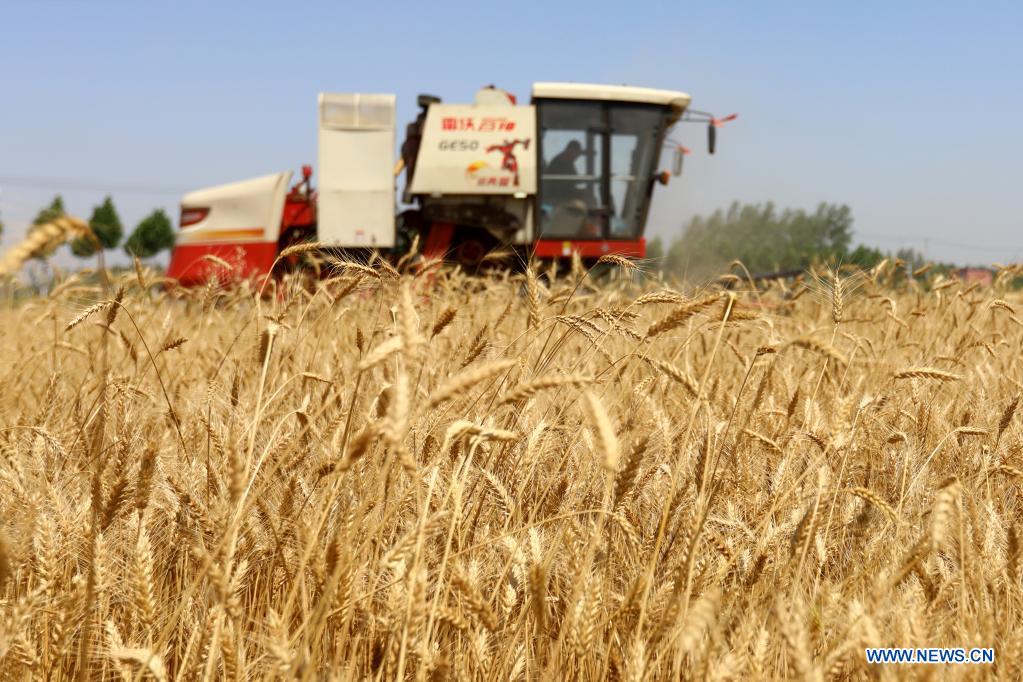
<point>151,235</point>
<point>766,239</point>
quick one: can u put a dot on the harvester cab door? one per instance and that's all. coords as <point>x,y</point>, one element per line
<point>356,204</point>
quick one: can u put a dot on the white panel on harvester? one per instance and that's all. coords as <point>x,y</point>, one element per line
<point>356,203</point>
<point>477,149</point>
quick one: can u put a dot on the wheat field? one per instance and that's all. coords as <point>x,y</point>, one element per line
<point>413,474</point>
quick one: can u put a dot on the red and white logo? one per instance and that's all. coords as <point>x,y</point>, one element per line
<point>504,175</point>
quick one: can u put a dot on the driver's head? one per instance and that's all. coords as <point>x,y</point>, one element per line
<point>574,149</point>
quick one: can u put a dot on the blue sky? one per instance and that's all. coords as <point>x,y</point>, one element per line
<point>908,112</point>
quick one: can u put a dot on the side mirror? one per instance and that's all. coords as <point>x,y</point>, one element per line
<point>677,161</point>
<point>712,137</point>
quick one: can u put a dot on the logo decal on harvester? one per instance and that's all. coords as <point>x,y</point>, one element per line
<point>504,175</point>
<point>486,124</point>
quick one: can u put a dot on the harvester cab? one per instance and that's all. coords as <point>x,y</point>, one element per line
<point>599,146</point>
<point>572,171</point>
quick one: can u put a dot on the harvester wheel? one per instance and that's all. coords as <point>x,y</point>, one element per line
<point>471,247</point>
<point>469,254</point>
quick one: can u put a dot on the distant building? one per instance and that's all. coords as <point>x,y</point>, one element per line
<point>984,276</point>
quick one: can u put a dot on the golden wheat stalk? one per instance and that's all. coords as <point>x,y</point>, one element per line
<point>927,373</point>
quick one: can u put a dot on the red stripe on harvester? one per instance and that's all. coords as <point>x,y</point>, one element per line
<point>252,259</point>
<point>557,248</point>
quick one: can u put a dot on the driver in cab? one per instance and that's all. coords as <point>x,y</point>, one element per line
<point>571,200</point>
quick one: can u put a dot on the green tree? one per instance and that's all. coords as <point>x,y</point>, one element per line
<point>51,212</point>
<point>865,256</point>
<point>763,238</point>
<point>105,223</point>
<point>151,236</point>
<point>46,215</point>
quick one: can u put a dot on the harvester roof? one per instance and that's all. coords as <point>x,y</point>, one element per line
<point>616,93</point>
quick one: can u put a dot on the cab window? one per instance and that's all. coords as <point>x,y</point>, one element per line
<point>597,165</point>
<point>572,183</point>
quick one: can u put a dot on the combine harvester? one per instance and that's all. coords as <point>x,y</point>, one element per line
<point>573,171</point>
